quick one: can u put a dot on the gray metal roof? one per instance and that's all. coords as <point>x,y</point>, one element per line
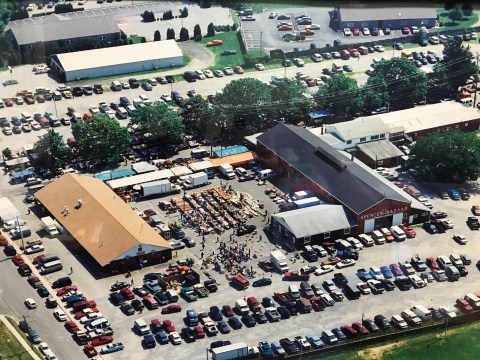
<point>350,184</point>
<point>380,150</point>
<point>61,27</point>
<point>314,220</point>
<point>358,128</point>
<point>384,12</point>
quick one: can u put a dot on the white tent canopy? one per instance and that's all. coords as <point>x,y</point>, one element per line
<point>200,165</point>
<point>181,170</point>
<point>143,167</point>
<point>140,179</point>
<point>8,211</point>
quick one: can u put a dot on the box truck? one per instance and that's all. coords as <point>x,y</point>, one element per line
<point>49,225</point>
<point>196,180</point>
<point>233,351</point>
<point>279,261</point>
<point>227,171</point>
<point>160,187</point>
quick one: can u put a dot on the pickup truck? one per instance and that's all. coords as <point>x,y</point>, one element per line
<point>473,223</point>
<point>337,295</point>
<point>189,294</point>
<point>308,269</point>
<point>282,297</point>
<point>208,323</point>
<point>211,285</point>
<point>439,275</point>
<point>403,283</point>
<point>376,286</point>
<point>200,290</point>
<point>295,275</point>
<point>81,337</point>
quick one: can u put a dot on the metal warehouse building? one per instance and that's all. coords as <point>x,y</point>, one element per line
<point>304,161</point>
<point>118,60</point>
<point>382,17</point>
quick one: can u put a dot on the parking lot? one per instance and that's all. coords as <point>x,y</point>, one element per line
<point>435,294</point>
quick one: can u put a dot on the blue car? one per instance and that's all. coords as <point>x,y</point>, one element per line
<point>229,52</point>
<point>364,275</point>
<point>375,31</point>
<point>162,337</point>
<point>110,348</point>
<point>315,341</point>
<point>152,286</point>
<point>454,194</point>
<point>339,334</point>
<point>387,272</point>
<point>235,323</point>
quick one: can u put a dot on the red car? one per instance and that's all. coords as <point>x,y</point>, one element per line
<point>285,28</point>
<point>9,102</point>
<point>396,270</point>
<point>353,52</point>
<point>17,260</point>
<point>71,110</point>
<point>171,309</point>
<point>227,310</point>
<point>476,210</point>
<point>362,330</point>
<point>155,325</point>
<point>463,305</point>
<point>72,327</point>
<point>408,230</point>
<point>239,70</point>
<point>349,331</point>
<point>36,259</point>
<point>149,212</point>
<point>168,326</point>
<point>84,312</point>
<point>89,350</point>
<point>127,293</point>
<point>83,305</point>
<point>66,290</point>
<point>307,32</point>
<point>3,241</point>
<point>40,99</point>
<point>199,333</point>
<point>405,30</point>
<point>102,340</point>
<point>356,32</point>
<point>399,184</point>
<point>310,81</point>
<point>432,263</point>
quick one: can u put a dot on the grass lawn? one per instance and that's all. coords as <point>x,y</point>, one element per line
<point>449,25</point>
<point>278,4</point>
<point>10,348</point>
<point>135,39</point>
<point>230,42</point>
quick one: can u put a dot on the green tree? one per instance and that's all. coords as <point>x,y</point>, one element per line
<point>341,96</point>
<point>196,114</point>
<point>447,156</point>
<point>242,107</point>
<point>184,12</point>
<point>467,9</point>
<point>184,35</point>
<point>19,14</point>
<point>421,35</point>
<point>289,101</point>
<point>210,30</point>
<point>167,15</point>
<point>158,124</point>
<point>170,34</point>
<point>101,138</point>
<point>197,31</point>
<point>456,14</point>
<point>143,40</point>
<point>63,8</point>
<point>7,153</point>
<point>157,36</point>
<point>458,61</point>
<point>449,5</point>
<point>375,93</point>
<point>406,85</point>
<point>439,84</point>
<point>148,16</point>
<point>50,150</point>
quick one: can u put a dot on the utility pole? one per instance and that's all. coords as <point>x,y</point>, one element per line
<point>21,234</point>
<point>476,82</point>
<point>446,326</point>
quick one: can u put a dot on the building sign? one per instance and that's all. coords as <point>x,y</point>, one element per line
<point>384,212</point>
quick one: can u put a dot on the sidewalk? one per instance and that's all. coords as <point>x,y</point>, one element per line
<point>19,337</point>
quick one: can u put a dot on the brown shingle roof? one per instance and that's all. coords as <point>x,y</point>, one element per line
<point>104,225</point>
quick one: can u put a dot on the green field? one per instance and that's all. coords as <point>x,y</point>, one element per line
<point>448,25</point>
<point>460,344</point>
<point>230,42</point>
<point>10,348</point>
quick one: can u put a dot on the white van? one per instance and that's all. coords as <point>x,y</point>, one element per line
<point>366,239</point>
<point>466,101</point>
<point>398,233</point>
<point>27,117</point>
<point>122,113</point>
<point>130,109</point>
<point>266,174</point>
<point>294,292</point>
<point>422,312</point>
<point>137,102</point>
<point>76,117</point>
<point>141,326</point>
<point>378,237</point>
<point>116,86</point>
<point>242,306</point>
<point>100,323</point>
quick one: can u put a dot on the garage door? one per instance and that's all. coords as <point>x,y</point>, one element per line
<point>369,226</point>
<point>397,219</point>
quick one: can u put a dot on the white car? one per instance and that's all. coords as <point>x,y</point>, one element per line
<point>166,97</point>
<point>416,281</point>
<point>201,75</point>
<point>365,31</point>
<point>60,315</point>
<point>347,32</point>
<point>461,239</point>
<point>302,342</point>
<point>313,27</point>
<point>327,300</point>
<point>259,67</point>
<point>34,249</point>
<point>364,288</point>
<point>46,351</point>
<point>324,269</point>
<point>125,85</point>
<point>94,109</point>
<point>355,243</point>
<point>90,316</point>
<point>111,114</point>
<point>228,70</point>
<point>449,223</point>
<point>208,73</point>
<point>152,82</point>
<point>379,48</point>
<point>30,303</point>
<point>447,312</point>
<point>31,7</point>
<point>316,57</point>
<point>175,338</point>
<point>35,126</point>
<point>346,263</point>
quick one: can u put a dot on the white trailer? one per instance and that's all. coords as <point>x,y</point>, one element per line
<point>49,225</point>
<point>160,187</point>
<point>279,261</point>
<point>196,180</point>
<point>230,352</point>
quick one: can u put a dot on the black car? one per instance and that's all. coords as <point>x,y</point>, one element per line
<point>440,225</point>
<point>283,311</point>
<point>327,56</point>
<point>292,307</point>
<point>133,83</point>
<point>235,323</point>
<point>388,284</point>
<point>386,31</point>
<point>268,302</point>
<point>188,334</point>
<point>152,276</point>
<point>149,341</point>
<point>438,215</point>
<point>188,241</point>
<point>98,89</point>
<point>246,229</point>
<point>339,334</point>
<point>220,343</point>
<point>370,325</point>
<point>161,297</point>
<point>430,228</point>
<point>223,327</point>
<point>170,78</point>
<point>116,298</point>
<point>77,91</point>
<point>290,346</point>
<point>286,63</point>
<point>10,250</point>
<point>398,46</point>
<point>424,61</point>
<point>262,282</point>
<point>42,291</point>
<point>465,259</point>
<point>190,76</point>
<point>260,317</point>
<point>436,314</point>
<point>248,320</point>
<point>24,270</point>
<point>215,313</point>
<point>127,309</point>
<point>119,285</point>
<point>382,322</point>
<point>137,304</point>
